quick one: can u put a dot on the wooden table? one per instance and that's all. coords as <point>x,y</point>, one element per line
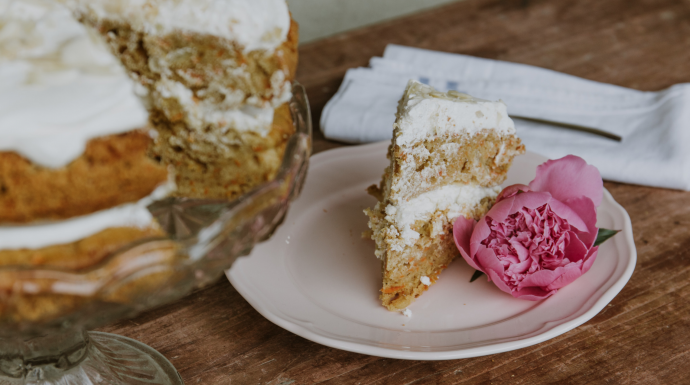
<point>643,337</point>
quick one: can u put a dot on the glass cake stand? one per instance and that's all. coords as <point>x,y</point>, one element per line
<point>45,313</point>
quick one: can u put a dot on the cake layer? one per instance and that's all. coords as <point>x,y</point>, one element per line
<point>481,159</point>
<point>453,200</point>
<point>40,234</point>
<point>425,114</point>
<point>402,283</point>
<point>139,270</point>
<point>208,82</point>
<point>112,171</point>
<point>251,24</point>
<point>211,96</point>
<point>445,138</point>
<point>80,254</point>
<point>207,173</point>
<point>426,254</point>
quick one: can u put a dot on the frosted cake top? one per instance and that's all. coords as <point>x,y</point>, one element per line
<point>253,24</point>
<point>425,113</point>
<point>59,85</point>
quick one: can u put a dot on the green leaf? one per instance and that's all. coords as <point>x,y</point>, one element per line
<point>476,275</point>
<point>603,235</point>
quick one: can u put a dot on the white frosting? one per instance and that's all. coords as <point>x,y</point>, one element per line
<point>235,111</point>
<point>229,114</point>
<point>425,280</point>
<point>59,85</point>
<point>407,313</point>
<point>35,236</point>
<point>456,199</point>
<point>253,24</point>
<point>424,113</point>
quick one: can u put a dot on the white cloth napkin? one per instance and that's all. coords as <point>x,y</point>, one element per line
<point>655,126</point>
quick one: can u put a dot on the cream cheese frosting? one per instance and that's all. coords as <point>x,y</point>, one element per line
<point>59,85</point>
<point>254,24</point>
<point>38,235</point>
<point>451,200</point>
<point>230,114</point>
<point>424,113</point>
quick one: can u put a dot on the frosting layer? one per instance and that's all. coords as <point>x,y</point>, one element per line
<point>450,201</point>
<point>35,236</point>
<point>424,113</point>
<point>253,24</point>
<point>59,85</point>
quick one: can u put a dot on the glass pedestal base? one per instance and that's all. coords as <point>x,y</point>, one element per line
<point>90,358</point>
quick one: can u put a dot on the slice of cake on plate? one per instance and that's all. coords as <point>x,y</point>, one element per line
<point>449,153</point>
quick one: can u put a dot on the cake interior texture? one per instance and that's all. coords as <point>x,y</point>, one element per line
<point>113,170</point>
<point>219,109</point>
<point>448,155</point>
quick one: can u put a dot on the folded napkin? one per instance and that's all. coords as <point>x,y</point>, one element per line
<point>654,126</point>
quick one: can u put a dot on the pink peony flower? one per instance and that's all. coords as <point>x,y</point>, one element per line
<point>537,238</point>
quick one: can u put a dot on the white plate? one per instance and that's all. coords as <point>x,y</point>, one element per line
<point>317,277</point>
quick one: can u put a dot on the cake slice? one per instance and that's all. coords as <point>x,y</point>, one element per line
<point>449,153</point>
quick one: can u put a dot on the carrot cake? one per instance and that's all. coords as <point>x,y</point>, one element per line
<point>449,153</point>
<point>149,99</point>
<point>109,105</point>
<point>215,76</point>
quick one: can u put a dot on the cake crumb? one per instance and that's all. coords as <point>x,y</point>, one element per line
<point>407,313</point>
<point>425,280</point>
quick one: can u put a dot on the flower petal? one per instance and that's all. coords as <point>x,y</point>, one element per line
<point>498,281</point>
<point>512,190</point>
<point>576,249</point>
<point>489,263</point>
<point>585,209</point>
<point>502,210</point>
<point>462,232</point>
<point>522,252</point>
<point>569,177</point>
<point>533,293</point>
<point>570,272</point>
<point>589,259</point>
<point>541,278</point>
<point>480,233</point>
<point>566,212</point>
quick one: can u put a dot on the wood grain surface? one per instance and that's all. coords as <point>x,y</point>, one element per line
<point>642,337</point>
